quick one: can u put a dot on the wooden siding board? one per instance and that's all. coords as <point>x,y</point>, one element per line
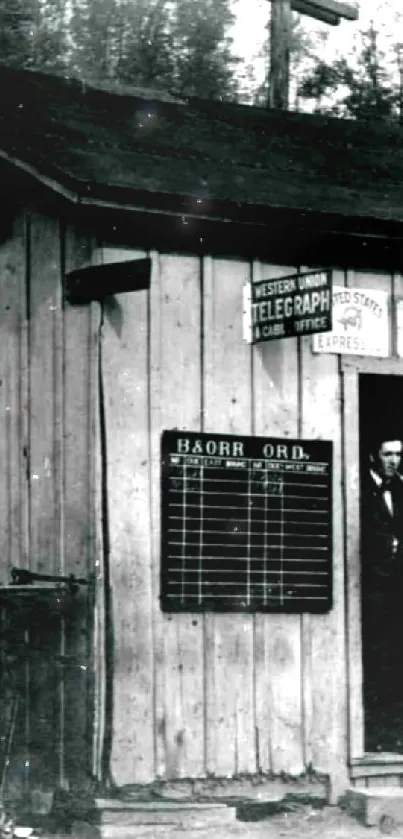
<point>155,343</point>
<point>353,572</point>
<point>323,635</point>
<point>99,673</point>
<point>175,388</point>
<point>45,393</point>
<point>13,440</point>
<point>278,637</point>
<point>125,382</point>
<point>230,718</point>
<point>78,455</point>
<point>45,464</point>
<point>4,497</point>
<point>97,678</point>
<point>14,502</point>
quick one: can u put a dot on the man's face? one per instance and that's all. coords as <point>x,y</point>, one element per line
<point>390,455</point>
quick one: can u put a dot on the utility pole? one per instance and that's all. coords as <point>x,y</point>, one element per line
<point>280,43</point>
<point>327,11</point>
<point>399,56</point>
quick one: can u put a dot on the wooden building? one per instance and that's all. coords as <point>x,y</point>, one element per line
<point>215,195</point>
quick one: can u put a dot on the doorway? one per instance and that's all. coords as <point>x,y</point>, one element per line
<point>381,528</point>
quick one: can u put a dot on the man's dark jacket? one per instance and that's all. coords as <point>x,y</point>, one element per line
<point>382,541</point>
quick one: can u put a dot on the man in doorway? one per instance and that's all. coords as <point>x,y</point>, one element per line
<point>382,591</point>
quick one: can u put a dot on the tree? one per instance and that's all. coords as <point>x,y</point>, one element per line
<point>91,32</point>
<point>361,90</point>
<point>181,45</point>
<point>32,33</point>
<point>146,46</point>
<point>204,63</point>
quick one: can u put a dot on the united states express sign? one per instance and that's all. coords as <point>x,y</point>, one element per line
<point>300,304</point>
<point>360,323</point>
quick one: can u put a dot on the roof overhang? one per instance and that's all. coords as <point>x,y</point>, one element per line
<point>155,220</point>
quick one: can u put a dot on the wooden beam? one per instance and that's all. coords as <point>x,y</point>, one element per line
<point>304,7</point>
<point>280,39</point>
<point>327,11</point>
<point>99,281</point>
<point>336,7</point>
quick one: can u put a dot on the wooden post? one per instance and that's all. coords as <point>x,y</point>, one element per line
<point>280,39</point>
<point>327,11</point>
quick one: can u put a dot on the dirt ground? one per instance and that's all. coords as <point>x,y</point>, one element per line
<point>303,822</point>
<point>310,823</point>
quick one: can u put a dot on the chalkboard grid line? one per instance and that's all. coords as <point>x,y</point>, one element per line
<point>265,543</point>
<point>282,544</point>
<point>201,474</point>
<point>184,499</point>
<point>248,546</point>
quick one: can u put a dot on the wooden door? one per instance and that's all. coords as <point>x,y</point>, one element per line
<point>351,370</point>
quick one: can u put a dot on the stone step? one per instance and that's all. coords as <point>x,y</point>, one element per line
<point>381,806</point>
<point>237,830</point>
<point>115,819</point>
<point>182,813</point>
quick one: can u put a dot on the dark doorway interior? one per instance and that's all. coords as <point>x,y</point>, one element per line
<point>381,429</point>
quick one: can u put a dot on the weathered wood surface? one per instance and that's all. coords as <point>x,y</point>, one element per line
<point>13,396</point>
<point>324,672</point>
<point>98,602</point>
<point>230,745</point>
<point>353,568</point>
<point>46,383</point>
<point>278,637</point>
<point>125,357</point>
<point>45,453</point>
<point>80,340</point>
<point>47,440</point>
<point>176,403</point>
<point>193,695</point>
<point>14,457</point>
<point>232,693</point>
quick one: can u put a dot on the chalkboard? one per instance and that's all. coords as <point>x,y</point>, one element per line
<point>246,523</point>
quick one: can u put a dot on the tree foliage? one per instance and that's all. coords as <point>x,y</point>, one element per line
<point>184,46</point>
<point>362,89</point>
<point>180,45</point>
<point>32,34</point>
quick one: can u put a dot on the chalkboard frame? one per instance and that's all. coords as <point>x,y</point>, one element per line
<point>295,457</point>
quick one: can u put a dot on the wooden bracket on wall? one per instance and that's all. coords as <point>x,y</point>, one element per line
<point>99,281</point>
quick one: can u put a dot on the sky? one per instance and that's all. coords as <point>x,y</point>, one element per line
<point>252,16</point>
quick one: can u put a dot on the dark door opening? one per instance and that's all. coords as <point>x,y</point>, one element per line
<point>381,511</point>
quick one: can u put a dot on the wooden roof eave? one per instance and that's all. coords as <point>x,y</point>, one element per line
<point>302,236</point>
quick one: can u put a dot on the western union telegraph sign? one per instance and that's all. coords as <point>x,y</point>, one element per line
<point>300,304</point>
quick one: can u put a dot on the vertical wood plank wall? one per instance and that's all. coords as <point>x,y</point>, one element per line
<point>217,695</point>
<point>48,385</point>
<point>278,666</point>
<point>193,695</point>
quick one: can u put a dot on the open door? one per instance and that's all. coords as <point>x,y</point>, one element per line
<point>381,559</point>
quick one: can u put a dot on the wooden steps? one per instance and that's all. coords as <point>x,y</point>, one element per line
<point>114,819</point>
<point>385,768</point>
<point>376,806</point>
